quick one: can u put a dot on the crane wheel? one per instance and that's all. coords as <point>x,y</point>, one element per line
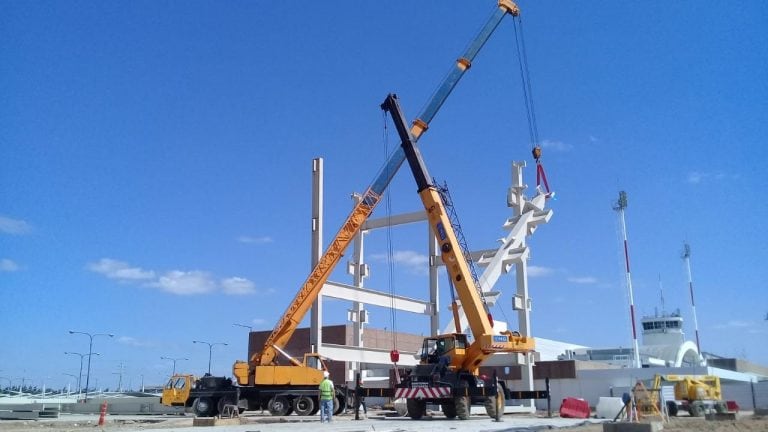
<point>416,408</point>
<point>461,403</point>
<point>304,405</point>
<point>204,407</point>
<point>449,410</point>
<point>494,405</point>
<point>279,406</point>
<point>225,400</point>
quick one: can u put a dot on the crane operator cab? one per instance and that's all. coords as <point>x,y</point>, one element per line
<point>445,349</point>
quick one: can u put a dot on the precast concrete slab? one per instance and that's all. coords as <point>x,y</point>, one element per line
<point>633,427</point>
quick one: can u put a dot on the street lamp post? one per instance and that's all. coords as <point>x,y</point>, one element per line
<point>73,376</point>
<point>80,377</point>
<point>210,350</point>
<point>174,360</point>
<point>250,330</point>
<point>10,384</point>
<point>90,354</point>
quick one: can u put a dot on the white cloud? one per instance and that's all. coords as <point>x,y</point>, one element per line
<point>7,265</point>
<point>538,271</point>
<point>583,280</point>
<point>119,270</point>
<point>14,226</point>
<point>185,282</point>
<point>178,282</point>
<point>254,240</point>
<point>555,145</point>
<point>133,342</point>
<point>410,258</point>
<point>414,261</point>
<point>697,177</point>
<point>237,286</point>
<point>732,324</point>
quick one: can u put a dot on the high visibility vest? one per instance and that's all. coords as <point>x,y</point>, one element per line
<point>326,389</point>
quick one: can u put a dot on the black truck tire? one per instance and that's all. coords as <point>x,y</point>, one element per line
<point>338,404</point>
<point>494,405</point>
<point>416,408</point>
<point>672,408</point>
<point>462,407</point>
<point>449,410</point>
<point>696,409</point>
<point>279,406</point>
<point>204,407</point>
<point>304,405</point>
<point>225,400</point>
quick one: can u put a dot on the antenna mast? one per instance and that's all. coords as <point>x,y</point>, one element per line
<point>620,206</point>
<point>687,257</point>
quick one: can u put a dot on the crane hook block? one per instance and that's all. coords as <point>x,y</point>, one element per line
<point>536,153</point>
<point>510,7</point>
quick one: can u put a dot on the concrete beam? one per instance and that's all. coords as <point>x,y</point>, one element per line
<point>365,355</point>
<point>367,296</point>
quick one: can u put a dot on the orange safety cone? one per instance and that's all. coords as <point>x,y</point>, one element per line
<point>103,413</point>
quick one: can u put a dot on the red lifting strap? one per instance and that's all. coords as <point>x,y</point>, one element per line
<point>541,176</point>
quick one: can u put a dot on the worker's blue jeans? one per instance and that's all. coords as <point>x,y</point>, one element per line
<point>326,410</point>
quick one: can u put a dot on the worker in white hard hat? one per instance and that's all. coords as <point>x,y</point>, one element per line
<point>325,394</point>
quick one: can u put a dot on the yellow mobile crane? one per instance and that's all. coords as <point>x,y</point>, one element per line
<point>448,370</point>
<point>262,382</point>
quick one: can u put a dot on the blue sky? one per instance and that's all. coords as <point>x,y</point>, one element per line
<point>155,166</point>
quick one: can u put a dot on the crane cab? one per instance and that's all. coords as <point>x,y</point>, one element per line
<point>449,349</point>
<point>176,390</point>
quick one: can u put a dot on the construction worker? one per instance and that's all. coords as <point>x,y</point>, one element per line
<point>362,404</point>
<point>325,394</point>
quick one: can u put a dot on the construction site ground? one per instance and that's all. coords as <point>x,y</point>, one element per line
<point>377,421</point>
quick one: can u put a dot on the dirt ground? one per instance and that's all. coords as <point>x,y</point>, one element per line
<point>746,423</point>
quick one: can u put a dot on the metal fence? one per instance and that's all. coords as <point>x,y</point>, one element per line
<point>749,396</point>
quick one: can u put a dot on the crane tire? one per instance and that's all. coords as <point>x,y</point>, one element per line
<point>204,407</point>
<point>304,405</point>
<point>449,410</point>
<point>416,408</point>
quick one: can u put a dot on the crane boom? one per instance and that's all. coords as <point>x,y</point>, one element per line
<point>310,289</point>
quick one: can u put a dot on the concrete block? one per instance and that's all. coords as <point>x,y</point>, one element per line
<point>18,415</point>
<point>214,421</point>
<point>720,416</point>
<point>633,427</point>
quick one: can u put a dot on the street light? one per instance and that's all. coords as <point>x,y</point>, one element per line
<point>174,360</point>
<point>250,329</point>
<point>80,377</point>
<point>10,384</point>
<point>73,376</point>
<point>210,350</point>
<point>90,354</point>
